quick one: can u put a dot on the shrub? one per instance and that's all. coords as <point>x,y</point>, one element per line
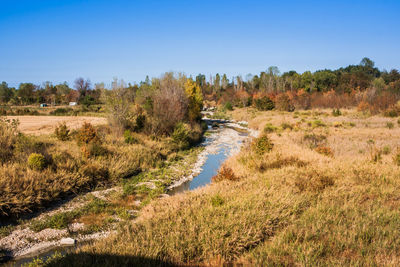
<point>87,134</point>
<point>269,128</point>
<point>217,201</point>
<point>8,138</point>
<point>390,125</point>
<point>286,126</point>
<point>94,150</point>
<point>264,103</point>
<point>180,136</point>
<point>95,173</point>
<point>314,140</point>
<point>391,112</point>
<point>336,112</point>
<point>36,161</point>
<point>129,138</point>
<point>62,132</point>
<point>324,150</point>
<point>283,103</point>
<point>228,106</point>
<point>386,150</point>
<point>61,111</point>
<point>225,173</point>
<point>262,145</point>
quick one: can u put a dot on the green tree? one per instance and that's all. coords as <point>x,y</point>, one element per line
<point>195,98</point>
<point>6,93</point>
<point>26,92</point>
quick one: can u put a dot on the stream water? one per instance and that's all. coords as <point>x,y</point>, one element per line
<point>220,143</point>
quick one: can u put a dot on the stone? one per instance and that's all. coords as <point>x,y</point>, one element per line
<point>67,241</point>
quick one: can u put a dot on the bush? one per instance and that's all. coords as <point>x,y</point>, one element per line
<point>386,150</point>
<point>228,106</point>
<point>324,150</point>
<point>87,134</point>
<point>262,145</point>
<point>391,112</point>
<point>180,136</point>
<point>36,162</point>
<point>95,173</point>
<point>283,103</point>
<point>286,126</point>
<point>269,128</point>
<point>390,125</point>
<point>264,103</point>
<point>62,132</point>
<point>61,111</point>
<point>314,140</point>
<point>129,138</point>
<point>336,112</point>
<point>94,150</point>
<point>8,138</point>
<point>225,173</point>
<point>217,201</point>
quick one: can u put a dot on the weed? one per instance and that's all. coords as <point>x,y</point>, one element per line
<point>336,112</point>
<point>217,201</point>
<point>269,128</point>
<point>225,173</point>
<point>62,132</point>
<point>129,138</point>
<point>37,162</point>
<point>262,145</point>
<point>285,126</point>
<point>390,125</point>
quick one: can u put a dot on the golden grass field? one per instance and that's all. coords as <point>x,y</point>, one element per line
<point>328,193</point>
<point>38,125</point>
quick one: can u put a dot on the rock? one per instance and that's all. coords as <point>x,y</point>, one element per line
<point>67,241</point>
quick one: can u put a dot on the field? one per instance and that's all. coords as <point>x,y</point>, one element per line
<point>38,125</point>
<point>315,188</point>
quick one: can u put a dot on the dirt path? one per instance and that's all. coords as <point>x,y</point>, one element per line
<point>38,125</point>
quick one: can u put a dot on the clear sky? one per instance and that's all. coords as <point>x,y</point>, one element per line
<point>59,40</point>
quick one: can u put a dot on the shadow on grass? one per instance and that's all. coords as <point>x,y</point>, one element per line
<point>89,259</point>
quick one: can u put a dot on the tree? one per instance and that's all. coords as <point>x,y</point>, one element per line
<point>82,86</point>
<point>366,62</point>
<point>26,92</point>
<point>6,93</point>
<point>195,97</point>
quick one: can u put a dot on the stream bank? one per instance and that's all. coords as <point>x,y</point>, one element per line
<point>223,139</point>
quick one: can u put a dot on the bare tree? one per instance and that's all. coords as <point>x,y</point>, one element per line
<point>82,86</point>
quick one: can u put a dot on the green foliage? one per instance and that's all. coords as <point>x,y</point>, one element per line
<point>180,136</point>
<point>285,126</point>
<point>62,132</point>
<point>390,125</point>
<point>386,150</point>
<point>37,162</point>
<point>217,201</point>
<point>262,145</point>
<point>195,97</point>
<point>336,112</point>
<point>62,111</point>
<point>264,103</point>
<point>269,128</point>
<point>129,138</point>
<point>228,106</point>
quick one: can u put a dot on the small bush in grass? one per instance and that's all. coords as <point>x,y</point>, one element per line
<point>87,134</point>
<point>390,125</point>
<point>336,112</point>
<point>286,126</point>
<point>129,138</point>
<point>391,112</point>
<point>262,145</point>
<point>217,201</point>
<point>283,103</point>
<point>324,150</point>
<point>264,103</point>
<point>36,161</point>
<point>62,132</point>
<point>314,140</point>
<point>95,173</point>
<point>180,136</point>
<point>225,173</point>
<point>94,150</point>
<point>386,150</point>
<point>228,106</point>
<point>269,128</point>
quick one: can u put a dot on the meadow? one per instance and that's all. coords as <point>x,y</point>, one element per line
<point>317,187</point>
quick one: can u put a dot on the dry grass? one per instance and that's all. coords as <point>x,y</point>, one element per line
<point>38,125</point>
<point>291,206</point>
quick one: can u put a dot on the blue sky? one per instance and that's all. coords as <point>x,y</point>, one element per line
<point>60,40</point>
